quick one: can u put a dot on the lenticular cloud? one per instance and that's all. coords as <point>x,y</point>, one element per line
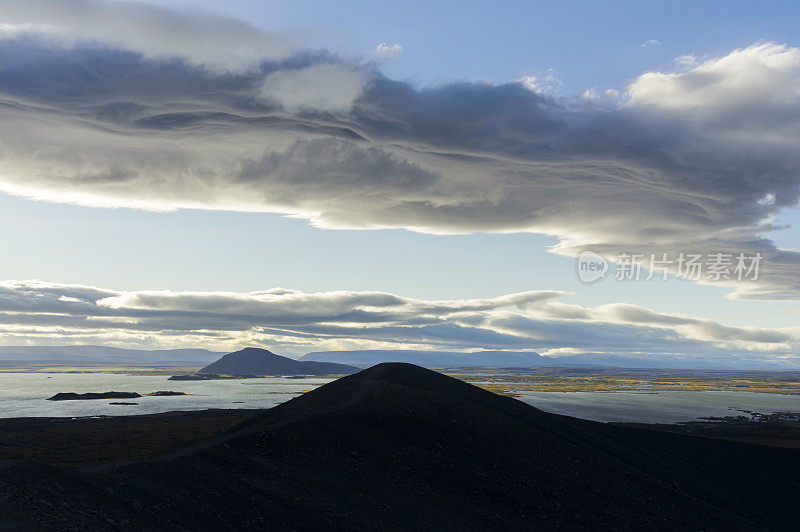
<point>696,160</point>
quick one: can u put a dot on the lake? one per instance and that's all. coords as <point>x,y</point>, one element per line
<point>24,394</point>
<point>659,407</point>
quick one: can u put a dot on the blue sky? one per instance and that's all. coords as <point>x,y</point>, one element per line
<point>57,223</point>
<point>587,43</point>
<point>195,250</point>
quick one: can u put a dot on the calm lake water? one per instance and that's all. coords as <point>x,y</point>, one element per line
<point>24,394</point>
<point>660,407</point>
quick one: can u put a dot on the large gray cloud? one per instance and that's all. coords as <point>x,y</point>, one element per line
<point>297,322</point>
<point>211,41</point>
<point>696,160</point>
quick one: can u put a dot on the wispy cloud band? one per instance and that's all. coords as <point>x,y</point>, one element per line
<point>296,322</point>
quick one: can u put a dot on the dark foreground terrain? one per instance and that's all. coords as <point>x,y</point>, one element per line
<point>75,443</point>
<point>398,446</point>
<point>775,430</point>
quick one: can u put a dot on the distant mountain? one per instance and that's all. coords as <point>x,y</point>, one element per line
<point>673,362</point>
<point>91,354</point>
<point>432,359</point>
<point>443,359</point>
<point>254,361</point>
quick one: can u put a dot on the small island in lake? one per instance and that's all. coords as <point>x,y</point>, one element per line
<point>208,377</point>
<point>194,377</point>
<point>70,396</point>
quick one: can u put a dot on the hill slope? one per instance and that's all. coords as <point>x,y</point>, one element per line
<point>254,361</point>
<point>400,447</point>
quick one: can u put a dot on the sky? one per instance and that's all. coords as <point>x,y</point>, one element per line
<point>366,175</point>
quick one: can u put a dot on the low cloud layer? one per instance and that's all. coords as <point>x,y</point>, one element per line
<point>40,313</point>
<point>696,160</point>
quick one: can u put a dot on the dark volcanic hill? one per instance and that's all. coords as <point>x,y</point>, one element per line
<point>254,361</point>
<point>400,447</point>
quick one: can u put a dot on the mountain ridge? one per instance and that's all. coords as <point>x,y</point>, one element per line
<point>497,358</point>
<point>103,354</point>
<point>429,358</point>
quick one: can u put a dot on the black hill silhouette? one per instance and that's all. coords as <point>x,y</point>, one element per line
<point>397,446</point>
